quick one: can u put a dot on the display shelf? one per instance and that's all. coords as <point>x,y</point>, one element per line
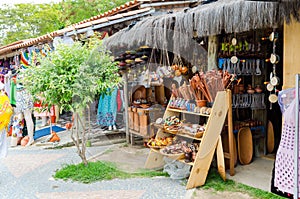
<point>160,126</point>
<point>180,160</point>
<point>210,142</point>
<point>188,163</point>
<point>187,112</point>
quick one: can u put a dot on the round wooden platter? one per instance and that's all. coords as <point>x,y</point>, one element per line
<point>245,145</point>
<point>225,143</point>
<point>270,137</point>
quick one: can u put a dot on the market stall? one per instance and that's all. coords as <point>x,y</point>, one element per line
<point>248,44</point>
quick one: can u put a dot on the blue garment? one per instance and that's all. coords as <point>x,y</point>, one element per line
<point>107,109</point>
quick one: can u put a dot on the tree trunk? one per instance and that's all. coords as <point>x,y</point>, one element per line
<point>79,140</point>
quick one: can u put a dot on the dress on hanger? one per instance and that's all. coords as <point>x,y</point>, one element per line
<point>284,163</point>
<point>107,109</point>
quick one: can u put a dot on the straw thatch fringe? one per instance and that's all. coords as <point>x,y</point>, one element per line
<point>209,19</point>
<point>289,9</point>
<point>235,16</point>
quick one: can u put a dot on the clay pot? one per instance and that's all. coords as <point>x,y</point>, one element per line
<point>201,103</point>
<point>68,125</point>
<point>24,141</point>
<point>184,70</point>
<point>241,88</point>
<point>258,89</point>
<point>177,73</point>
<point>250,90</point>
<point>175,67</point>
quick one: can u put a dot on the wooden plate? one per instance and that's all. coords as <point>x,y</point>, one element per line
<point>245,145</point>
<point>225,143</point>
<point>270,137</point>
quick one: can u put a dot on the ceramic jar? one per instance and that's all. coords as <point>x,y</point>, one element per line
<point>250,90</point>
<point>258,89</point>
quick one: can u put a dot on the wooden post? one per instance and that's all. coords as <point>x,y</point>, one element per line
<point>291,50</point>
<point>212,55</point>
<point>230,133</point>
<point>125,78</point>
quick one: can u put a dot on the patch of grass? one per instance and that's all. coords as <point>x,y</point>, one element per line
<point>125,145</point>
<point>214,181</point>
<point>108,151</point>
<point>100,170</point>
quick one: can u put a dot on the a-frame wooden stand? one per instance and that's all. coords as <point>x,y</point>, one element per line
<point>210,142</point>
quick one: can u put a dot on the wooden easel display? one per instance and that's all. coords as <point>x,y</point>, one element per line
<point>210,142</point>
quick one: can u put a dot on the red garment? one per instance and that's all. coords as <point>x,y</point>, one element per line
<point>119,101</point>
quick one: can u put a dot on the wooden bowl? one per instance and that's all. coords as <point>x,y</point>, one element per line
<point>176,156</point>
<point>245,145</point>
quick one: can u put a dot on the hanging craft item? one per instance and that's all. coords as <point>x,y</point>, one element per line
<point>274,79</point>
<point>153,79</point>
<point>234,59</point>
<point>164,70</point>
<point>234,41</point>
<point>257,70</point>
<point>179,67</point>
<point>274,59</point>
<point>272,37</point>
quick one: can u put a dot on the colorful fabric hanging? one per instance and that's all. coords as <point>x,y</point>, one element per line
<point>107,109</point>
<point>24,57</point>
<point>6,111</point>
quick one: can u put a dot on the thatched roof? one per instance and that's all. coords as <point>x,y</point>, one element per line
<point>208,19</point>
<point>288,9</point>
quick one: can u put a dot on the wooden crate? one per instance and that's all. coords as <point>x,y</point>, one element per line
<point>136,122</point>
<point>130,118</point>
<point>144,123</point>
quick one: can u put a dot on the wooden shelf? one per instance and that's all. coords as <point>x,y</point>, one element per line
<point>175,132</point>
<point>210,144</point>
<point>189,163</point>
<point>180,160</point>
<point>187,112</point>
<point>182,135</point>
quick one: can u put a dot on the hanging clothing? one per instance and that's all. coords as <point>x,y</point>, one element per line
<point>7,85</point>
<point>13,91</point>
<point>120,100</point>
<point>6,111</point>
<point>107,109</point>
<point>24,100</point>
<point>284,163</point>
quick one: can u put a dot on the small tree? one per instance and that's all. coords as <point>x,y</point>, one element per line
<point>71,77</point>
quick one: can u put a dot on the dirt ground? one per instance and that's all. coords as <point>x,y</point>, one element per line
<point>133,158</point>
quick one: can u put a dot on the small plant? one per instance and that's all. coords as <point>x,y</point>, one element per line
<point>71,77</point>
